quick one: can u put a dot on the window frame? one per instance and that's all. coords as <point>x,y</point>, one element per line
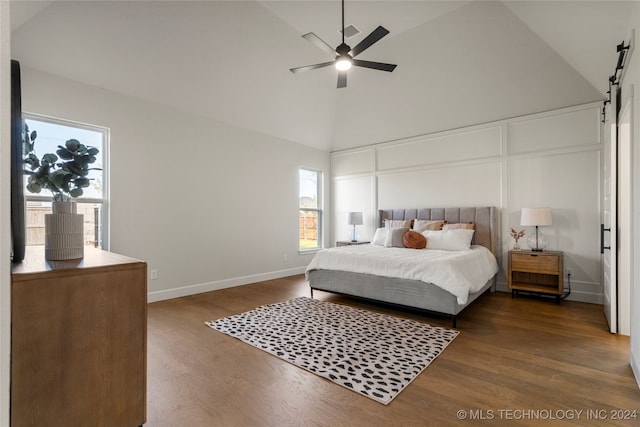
<point>318,210</point>
<point>104,152</point>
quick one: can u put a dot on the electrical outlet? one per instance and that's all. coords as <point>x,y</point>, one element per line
<point>154,274</point>
<point>285,257</point>
<point>568,271</point>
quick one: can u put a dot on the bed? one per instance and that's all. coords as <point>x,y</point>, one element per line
<point>407,291</point>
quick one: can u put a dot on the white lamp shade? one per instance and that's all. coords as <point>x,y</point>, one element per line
<point>354,218</point>
<point>536,216</point>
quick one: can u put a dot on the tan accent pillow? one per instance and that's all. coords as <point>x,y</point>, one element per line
<point>397,223</point>
<point>421,225</point>
<point>459,226</point>
<point>414,240</point>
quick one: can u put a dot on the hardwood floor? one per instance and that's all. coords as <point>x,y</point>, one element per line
<point>517,362</point>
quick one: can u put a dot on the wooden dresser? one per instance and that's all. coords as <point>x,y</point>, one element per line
<point>78,341</point>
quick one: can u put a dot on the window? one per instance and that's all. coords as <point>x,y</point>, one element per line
<point>93,203</point>
<point>310,203</point>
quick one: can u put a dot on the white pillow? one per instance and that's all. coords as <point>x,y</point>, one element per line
<point>379,237</point>
<point>394,237</point>
<point>449,240</point>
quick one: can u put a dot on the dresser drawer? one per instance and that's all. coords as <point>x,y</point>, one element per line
<point>535,263</point>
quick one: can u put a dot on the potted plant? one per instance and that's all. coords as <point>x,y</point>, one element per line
<point>65,175</point>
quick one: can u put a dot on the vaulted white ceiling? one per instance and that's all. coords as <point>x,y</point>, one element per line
<point>459,62</point>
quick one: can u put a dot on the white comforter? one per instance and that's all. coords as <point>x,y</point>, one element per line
<point>458,272</point>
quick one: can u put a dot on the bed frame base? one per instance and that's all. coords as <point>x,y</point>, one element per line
<point>452,317</point>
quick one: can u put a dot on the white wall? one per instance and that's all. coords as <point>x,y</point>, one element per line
<point>5,203</point>
<point>476,64</point>
<point>631,87</point>
<point>206,204</point>
<point>546,159</point>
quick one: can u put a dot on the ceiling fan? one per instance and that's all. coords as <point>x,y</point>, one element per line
<point>345,56</point>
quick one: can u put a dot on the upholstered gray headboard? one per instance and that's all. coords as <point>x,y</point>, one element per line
<point>485,218</point>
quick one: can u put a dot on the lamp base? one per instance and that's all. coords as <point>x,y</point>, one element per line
<point>537,242</point>
<point>353,234</point>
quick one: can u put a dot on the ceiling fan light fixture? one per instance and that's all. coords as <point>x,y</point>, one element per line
<point>343,62</point>
<point>344,58</point>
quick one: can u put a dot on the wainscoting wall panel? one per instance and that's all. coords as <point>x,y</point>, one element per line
<point>546,159</point>
<point>350,163</point>
<point>459,185</point>
<point>552,131</point>
<point>442,148</point>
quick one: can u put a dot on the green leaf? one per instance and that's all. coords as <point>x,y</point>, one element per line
<point>43,170</point>
<point>73,145</point>
<point>81,160</point>
<point>58,177</point>
<point>76,192</point>
<point>64,172</point>
<point>83,182</point>
<point>33,135</point>
<point>26,147</point>
<point>32,161</point>
<point>73,168</point>
<point>50,158</point>
<point>93,151</point>
<point>64,153</point>
<point>33,186</point>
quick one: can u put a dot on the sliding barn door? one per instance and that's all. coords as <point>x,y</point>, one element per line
<point>608,242</point>
<point>625,213</point>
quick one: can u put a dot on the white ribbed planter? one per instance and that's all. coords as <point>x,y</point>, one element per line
<point>64,232</point>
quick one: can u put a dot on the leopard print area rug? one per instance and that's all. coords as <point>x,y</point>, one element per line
<point>373,354</point>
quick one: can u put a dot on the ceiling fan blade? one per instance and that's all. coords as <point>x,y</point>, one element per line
<point>320,43</point>
<point>375,65</point>
<point>375,35</point>
<point>310,67</point>
<point>342,79</point>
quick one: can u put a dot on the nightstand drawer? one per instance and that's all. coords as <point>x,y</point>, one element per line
<point>535,263</point>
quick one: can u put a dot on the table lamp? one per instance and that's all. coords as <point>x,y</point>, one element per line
<point>354,218</point>
<point>536,217</point>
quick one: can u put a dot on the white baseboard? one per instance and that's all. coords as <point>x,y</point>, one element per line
<point>184,291</point>
<point>635,367</point>
<point>579,292</point>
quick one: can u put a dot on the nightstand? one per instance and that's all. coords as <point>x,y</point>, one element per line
<point>350,243</point>
<point>537,272</point>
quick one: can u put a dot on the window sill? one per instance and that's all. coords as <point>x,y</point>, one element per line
<point>309,251</point>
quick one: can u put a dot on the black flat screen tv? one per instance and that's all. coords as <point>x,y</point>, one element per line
<point>18,230</point>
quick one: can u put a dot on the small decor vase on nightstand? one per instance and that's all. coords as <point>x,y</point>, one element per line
<point>516,236</point>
